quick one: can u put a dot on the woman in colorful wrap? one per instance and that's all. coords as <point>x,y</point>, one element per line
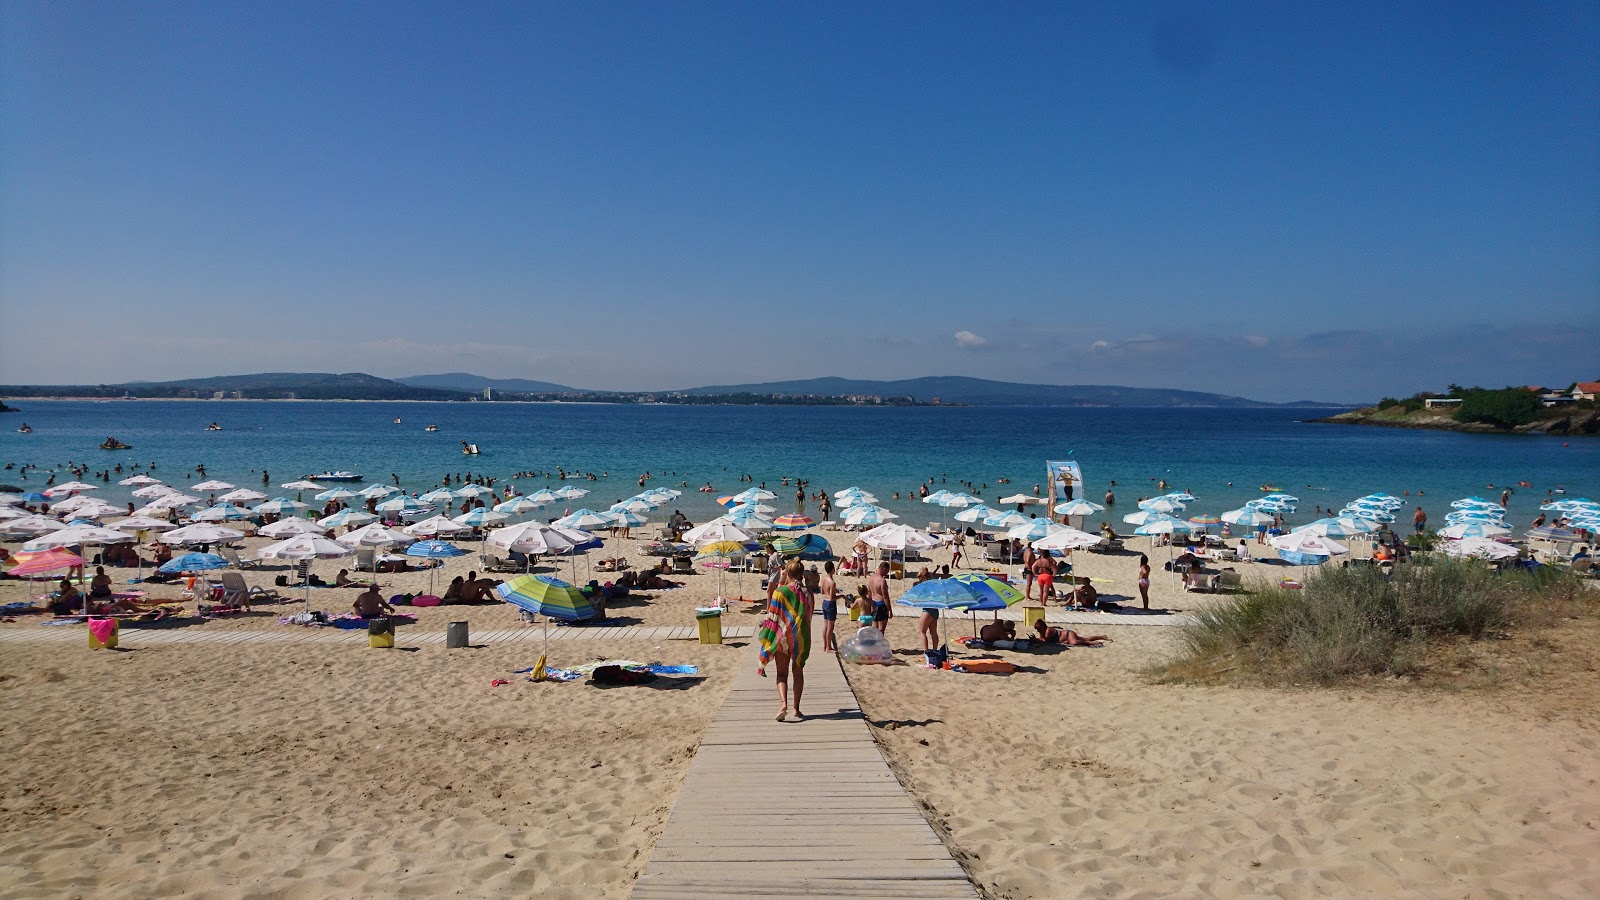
<point>785,636</point>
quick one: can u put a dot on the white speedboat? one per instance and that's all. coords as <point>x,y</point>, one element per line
<point>340,475</point>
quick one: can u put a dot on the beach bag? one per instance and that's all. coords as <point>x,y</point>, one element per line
<point>617,675</point>
<point>281,581</point>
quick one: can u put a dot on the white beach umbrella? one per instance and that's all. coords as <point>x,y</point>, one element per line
<point>242,495</point>
<point>1034,530</point>
<point>1021,498</point>
<point>661,496</point>
<point>278,506</point>
<point>200,533</point>
<point>625,518</point>
<point>1144,516</point>
<point>1247,516</point>
<point>717,530</point>
<point>867,515</point>
<point>12,512</point>
<point>936,496</point>
<point>139,480</point>
<point>975,513</point>
<point>1161,505</point>
<point>404,506</point>
<point>748,520</point>
<point>74,535</point>
<point>1480,548</point>
<point>1078,508</point>
<point>290,527</point>
<point>305,547</point>
<point>754,495</point>
<point>435,525</point>
<point>1309,543</point>
<point>480,517</point>
<point>337,493</point>
<point>346,517</point>
<point>173,501</point>
<point>374,534</point>
<point>211,486</point>
<point>584,518</point>
<point>544,497</point>
<point>222,512</point>
<point>1005,519</point>
<point>518,505</point>
<point>895,536</point>
<point>150,492</point>
<point>1068,538</point>
<point>1473,530</point>
<point>141,523</point>
<point>301,486</point>
<point>374,491</point>
<point>473,490</point>
<point>568,492</point>
<point>960,501</point>
<point>633,504</point>
<point>760,509</point>
<point>30,525</point>
<point>71,487</point>
<point>439,495</point>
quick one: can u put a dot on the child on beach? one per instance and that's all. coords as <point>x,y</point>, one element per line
<point>829,592</point>
<point>861,609</point>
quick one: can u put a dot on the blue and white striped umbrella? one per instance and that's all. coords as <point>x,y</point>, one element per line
<point>936,496</point>
<point>346,517</point>
<point>434,550</point>
<point>1005,520</point>
<point>193,562</point>
<point>1167,525</point>
<point>661,496</point>
<point>439,495</point>
<point>1565,505</point>
<point>1473,530</point>
<point>337,493</point>
<point>955,501</point>
<point>277,506</point>
<point>1336,528</point>
<point>585,518</point>
<point>479,517</point>
<point>1144,516</point>
<point>1371,515</point>
<point>1282,498</point>
<point>1248,516</point>
<point>1078,508</point>
<point>1035,529</point>
<point>634,504</point>
<point>473,490</point>
<point>568,492</point>
<point>626,518</point>
<point>754,495</point>
<point>1474,502</point>
<point>544,496</point>
<point>222,512</point>
<point>1476,515</point>
<point>1161,505</point>
<point>749,520</point>
<point>867,515</point>
<point>975,513</point>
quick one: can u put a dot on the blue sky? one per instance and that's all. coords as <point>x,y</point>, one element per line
<point>1281,201</point>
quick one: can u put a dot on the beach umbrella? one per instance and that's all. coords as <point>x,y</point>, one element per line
<point>584,518</point>
<point>301,485</point>
<point>32,497</point>
<point>71,487</point>
<point>717,555</point>
<point>1282,497</point>
<point>754,495</point>
<point>867,515</point>
<point>404,507</point>
<point>139,481</point>
<point>141,523</point>
<point>1306,548</point>
<point>304,548</point>
<point>939,593</point>
<point>568,492</point>
<point>625,518</point>
<point>375,534</point>
<point>290,527</point>
<point>433,525</point>
<point>1161,505</point>
<point>31,525</point>
<point>544,496</point>
<point>434,550</point>
<point>11,512</point>
<point>850,492</point>
<point>786,547</point>
<point>748,520</point>
<point>278,506</point>
<point>992,593</point>
<point>727,501</point>
<point>976,513</point>
<point>1145,516</point>
<point>1552,533</point>
<point>93,508</point>
<point>750,506</point>
<point>936,496</point>
<point>1020,498</point>
<point>1335,528</point>
<point>439,495</point>
<point>193,562</point>
<point>479,517</point>
<point>172,501</point>
<point>793,522</point>
<point>518,506</point>
<point>1480,548</point>
<point>634,504</point>
<point>549,597</point>
<point>1006,519</point>
<point>346,517</point>
<point>1470,502</point>
<point>1569,505</point>
<point>74,535</point>
<point>374,491</point>
<point>211,486</point>
<point>242,495</point>
<point>1034,530</point>
<point>1247,516</point>
<point>851,502</point>
<point>661,496</point>
<point>1068,538</point>
<point>959,501</point>
<point>1473,530</point>
<point>533,539</point>
<point>337,493</point>
<point>150,492</point>
<point>716,530</point>
<point>1078,508</point>
<point>222,512</point>
<point>200,533</point>
<point>52,560</point>
<point>1205,519</point>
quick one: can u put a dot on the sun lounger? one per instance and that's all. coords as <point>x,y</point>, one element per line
<point>682,565</point>
<point>236,593</point>
<point>235,560</point>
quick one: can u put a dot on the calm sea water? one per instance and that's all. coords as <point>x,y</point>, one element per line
<point>1222,456</point>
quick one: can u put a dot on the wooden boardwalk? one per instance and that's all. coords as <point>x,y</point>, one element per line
<point>796,809</point>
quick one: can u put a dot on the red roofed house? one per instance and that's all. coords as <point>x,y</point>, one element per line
<point>1586,390</point>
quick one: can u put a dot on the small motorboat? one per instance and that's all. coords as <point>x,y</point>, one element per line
<point>469,449</point>
<point>431,428</point>
<point>114,444</point>
<point>25,429</point>
<point>213,427</point>
<point>340,475</point>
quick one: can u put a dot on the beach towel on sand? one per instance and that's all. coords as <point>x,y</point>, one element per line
<point>786,615</point>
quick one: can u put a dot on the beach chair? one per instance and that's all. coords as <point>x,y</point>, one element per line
<point>1229,580</point>
<point>682,565</point>
<point>493,563</point>
<point>366,559</point>
<point>236,593</point>
<point>234,559</point>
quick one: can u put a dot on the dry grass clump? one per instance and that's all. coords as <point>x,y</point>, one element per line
<point>1355,622</point>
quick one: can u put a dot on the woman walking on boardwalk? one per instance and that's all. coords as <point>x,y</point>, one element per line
<point>785,636</point>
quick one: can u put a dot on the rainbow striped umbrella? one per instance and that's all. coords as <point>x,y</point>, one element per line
<point>544,595</point>
<point>793,522</point>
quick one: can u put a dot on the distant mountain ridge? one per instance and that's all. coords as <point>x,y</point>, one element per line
<point>260,386</point>
<point>473,384</point>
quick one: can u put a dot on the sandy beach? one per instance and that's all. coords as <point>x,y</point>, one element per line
<point>317,771</point>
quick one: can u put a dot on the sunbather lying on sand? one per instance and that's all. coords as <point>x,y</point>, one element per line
<point>1050,634</point>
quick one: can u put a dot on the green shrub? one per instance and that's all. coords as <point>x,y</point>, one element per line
<point>1350,622</point>
<point>1505,408</point>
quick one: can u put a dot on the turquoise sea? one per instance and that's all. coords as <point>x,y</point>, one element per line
<point>1221,455</point>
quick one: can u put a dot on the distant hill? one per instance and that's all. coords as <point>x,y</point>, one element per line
<point>473,384</point>
<point>982,392</point>
<point>262,386</point>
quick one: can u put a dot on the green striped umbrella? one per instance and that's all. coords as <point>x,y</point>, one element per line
<point>788,546</point>
<point>547,596</point>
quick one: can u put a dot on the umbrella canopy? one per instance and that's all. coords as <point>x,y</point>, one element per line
<point>301,486</point>
<point>439,495</point>
<point>337,493</point>
<point>1480,548</point>
<point>374,491</point>
<point>633,504</point>
<point>898,537</point>
<point>1474,503</point>
<point>222,512</point>
<point>1068,539</point>
<point>375,534</point>
<point>852,491</point>
<point>721,550</point>
<point>1078,508</point>
<point>211,486</point>
<point>1166,525</point>
<point>35,524</point>
<point>71,487</point>
<point>435,525</point>
<point>793,522</point>
<point>242,495</point>
<point>518,505</point>
<point>717,530</point>
<point>750,506</point>
<point>584,518</point>
<point>546,596</point>
<point>74,535</point>
<point>1145,516</point>
<point>94,508</point>
<point>787,547</point>
<point>955,501</point>
<point>434,550</point>
<point>748,520</point>
<point>1473,530</point>
<point>569,492</point>
<point>1035,530</point>
<point>32,497</point>
<point>531,538</point>
<point>1020,498</point>
<point>1006,520</point>
<point>1205,519</point>
<point>346,517</point>
<point>992,592</point>
<point>305,546</point>
<point>141,523</point>
<point>1332,528</point>
<point>193,562</point>
<point>139,481</point>
<point>976,513</point>
<point>277,506</point>
<point>404,506</point>
<point>473,490</point>
<point>52,560</point>
<point>1552,533</point>
<point>200,533</point>
<point>1161,505</point>
<point>1281,497</point>
<point>1306,542</point>
<point>290,527</point>
<point>936,496</point>
<point>867,515</point>
<point>754,495</point>
<point>1247,516</point>
<point>479,517</point>
<point>626,518</point>
<point>173,500</point>
<point>940,593</point>
<point>155,490</point>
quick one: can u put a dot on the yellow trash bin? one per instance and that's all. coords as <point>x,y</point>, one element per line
<point>710,622</point>
<point>1031,614</point>
<point>380,633</point>
<point>99,625</point>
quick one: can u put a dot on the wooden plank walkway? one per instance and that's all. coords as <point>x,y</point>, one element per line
<point>796,809</point>
<point>133,637</point>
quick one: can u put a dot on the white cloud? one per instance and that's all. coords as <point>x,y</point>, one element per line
<point>1255,340</point>
<point>966,340</point>
<point>1100,346</point>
